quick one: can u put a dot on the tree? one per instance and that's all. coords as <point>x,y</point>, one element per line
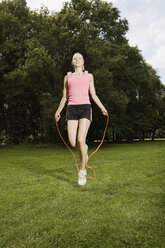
<point>36,52</point>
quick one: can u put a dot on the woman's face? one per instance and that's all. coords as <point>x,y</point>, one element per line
<point>77,60</point>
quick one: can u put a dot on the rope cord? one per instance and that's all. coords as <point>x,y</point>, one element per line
<point>90,167</point>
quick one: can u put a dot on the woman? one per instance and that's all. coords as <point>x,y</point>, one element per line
<point>76,90</point>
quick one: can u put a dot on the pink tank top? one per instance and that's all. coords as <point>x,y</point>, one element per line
<point>78,87</point>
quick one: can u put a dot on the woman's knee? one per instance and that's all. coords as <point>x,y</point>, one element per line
<point>72,142</point>
<point>80,141</point>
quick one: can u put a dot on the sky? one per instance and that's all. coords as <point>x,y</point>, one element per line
<point>146,20</point>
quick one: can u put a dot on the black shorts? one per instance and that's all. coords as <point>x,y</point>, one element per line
<point>76,112</point>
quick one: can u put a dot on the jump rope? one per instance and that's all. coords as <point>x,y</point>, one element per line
<point>90,167</point>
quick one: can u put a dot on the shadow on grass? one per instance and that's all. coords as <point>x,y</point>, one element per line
<point>107,189</point>
<point>58,173</point>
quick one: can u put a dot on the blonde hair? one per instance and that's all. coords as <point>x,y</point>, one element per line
<point>83,67</point>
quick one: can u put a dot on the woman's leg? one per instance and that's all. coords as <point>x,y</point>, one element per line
<point>72,127</point>
<point>83,127</point>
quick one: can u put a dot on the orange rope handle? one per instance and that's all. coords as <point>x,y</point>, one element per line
<point>90,167</point>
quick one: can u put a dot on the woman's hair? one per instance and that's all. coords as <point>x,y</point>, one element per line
<point>83,67</point>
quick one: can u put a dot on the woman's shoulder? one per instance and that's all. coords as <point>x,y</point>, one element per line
<point>90,75</point>
<point>68,74</point>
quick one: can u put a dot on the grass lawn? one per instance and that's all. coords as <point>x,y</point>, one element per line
<point>42,206</point>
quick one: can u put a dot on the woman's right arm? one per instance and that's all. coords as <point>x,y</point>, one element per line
<point>63,100</point>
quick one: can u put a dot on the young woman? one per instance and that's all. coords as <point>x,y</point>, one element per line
<point>76,90</point>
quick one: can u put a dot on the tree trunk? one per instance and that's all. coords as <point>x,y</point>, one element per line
<point>153,135</point>
<point>113,136</point>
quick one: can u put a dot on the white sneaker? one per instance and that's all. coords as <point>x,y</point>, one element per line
<point>82,177</point>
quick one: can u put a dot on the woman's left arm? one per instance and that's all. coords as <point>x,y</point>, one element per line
<point>94,96</point>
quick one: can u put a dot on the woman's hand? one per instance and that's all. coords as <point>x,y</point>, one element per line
<point>104,111</point>
<point>57,116</point>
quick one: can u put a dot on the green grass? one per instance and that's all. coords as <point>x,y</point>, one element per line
<point>41,205</point>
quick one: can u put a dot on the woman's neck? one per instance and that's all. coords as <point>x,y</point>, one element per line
<point>78,71</point>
